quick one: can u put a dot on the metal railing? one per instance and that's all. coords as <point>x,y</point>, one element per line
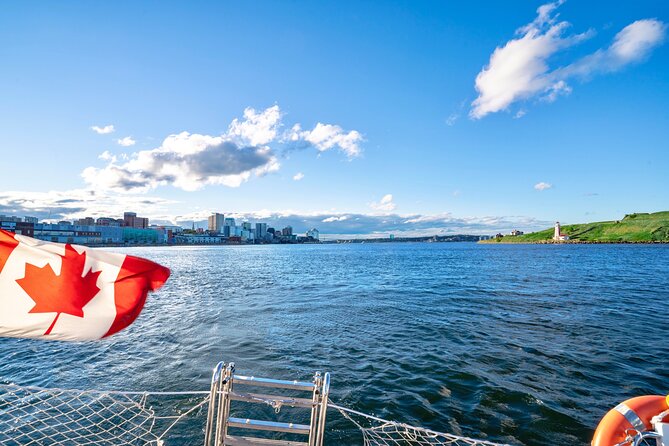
<point>223,392</point>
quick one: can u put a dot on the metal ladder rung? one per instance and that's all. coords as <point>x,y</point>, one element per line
<point>264,398</point>
<point>267,382</point>
<point>247,423</point>
<point>253,441</point>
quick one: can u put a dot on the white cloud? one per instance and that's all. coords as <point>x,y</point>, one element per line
<point>103,130</point>
<point>385,205</point>
<point>192,161</point>
<point>78,203</point>
<point>543,186</point>
<point>519,114</point>
<point>126,142</point>
<point>450,121</point>
<point>327,136</point>
<point>333,219</point>
<point>257,128</point>
<point>519,70</point>
<point>187,161</point>
<point>632,44</point>
<point>298,176</point>
<point>107,156</point>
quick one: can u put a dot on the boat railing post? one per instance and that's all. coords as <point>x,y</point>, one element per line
<point>325,395</point>
<point>313,434</point>
<point>213,393</point>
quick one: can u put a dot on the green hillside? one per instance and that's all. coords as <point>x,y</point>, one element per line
<point>643,228</point>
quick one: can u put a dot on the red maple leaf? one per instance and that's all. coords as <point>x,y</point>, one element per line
<point>67,293</point>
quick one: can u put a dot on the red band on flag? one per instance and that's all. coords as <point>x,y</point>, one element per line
<point>136,278</point>
<point>7,245</point>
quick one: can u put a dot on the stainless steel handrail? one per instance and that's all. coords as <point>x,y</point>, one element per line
<point>325,393</point>
<point>221,394</point>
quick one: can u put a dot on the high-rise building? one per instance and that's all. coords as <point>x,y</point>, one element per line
<point>246,226</point>
<point>287,231</point>
<point>313,233</point>
<point>31,219</point>
<point>216,222</point>
<point>261,230</point>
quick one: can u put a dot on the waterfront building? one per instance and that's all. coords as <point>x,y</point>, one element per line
<point>313,233</point>
<point>228,227</point>
<point>261,231</point>
<point>31,219</point>
<point>78,234</point>
<point>198,239</point>
<point>246,226</point>
<point>131,220</point>
<point>148,236</point>
<point>287,231</point>
<point>107,221</point>
<point>18,227</point>
<point>8,218</point>
<point>216,222</point>
<point>517,232</point>
<point>87,221</point>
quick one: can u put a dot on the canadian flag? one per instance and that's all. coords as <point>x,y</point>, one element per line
<point>70,292</point>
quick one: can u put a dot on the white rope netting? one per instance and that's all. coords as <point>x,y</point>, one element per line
<point>37,416</point>
<point>379,432</point>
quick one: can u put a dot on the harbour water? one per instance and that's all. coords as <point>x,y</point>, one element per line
<point>527,344</point>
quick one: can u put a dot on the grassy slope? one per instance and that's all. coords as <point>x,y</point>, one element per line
<point>633,228</point>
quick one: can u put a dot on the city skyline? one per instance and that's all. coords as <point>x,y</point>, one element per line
<point>460,120</point>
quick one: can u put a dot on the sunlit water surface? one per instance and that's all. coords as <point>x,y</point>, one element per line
<point>523,344</point>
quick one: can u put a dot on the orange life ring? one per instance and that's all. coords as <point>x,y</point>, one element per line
<point>629,417</point>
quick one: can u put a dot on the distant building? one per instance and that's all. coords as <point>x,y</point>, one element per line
<point>17,227</point>
<point>87,221</point>
<point>131,220</point>
<point>517,232</point>
<point>558,236</point>
<point>261,231</point>
<point>313,233</point>
<point>78,234</point>
<point>198,239</point>
<point>6,218</point>
<point>107,221</point>
<point>287,231</point>
<point>229,227</point>
<point>31,219</point>
<point>216,222</point>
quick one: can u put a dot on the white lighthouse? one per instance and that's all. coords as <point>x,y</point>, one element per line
<point>558,235</point>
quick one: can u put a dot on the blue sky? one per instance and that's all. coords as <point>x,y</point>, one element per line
<point>414,117</point>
